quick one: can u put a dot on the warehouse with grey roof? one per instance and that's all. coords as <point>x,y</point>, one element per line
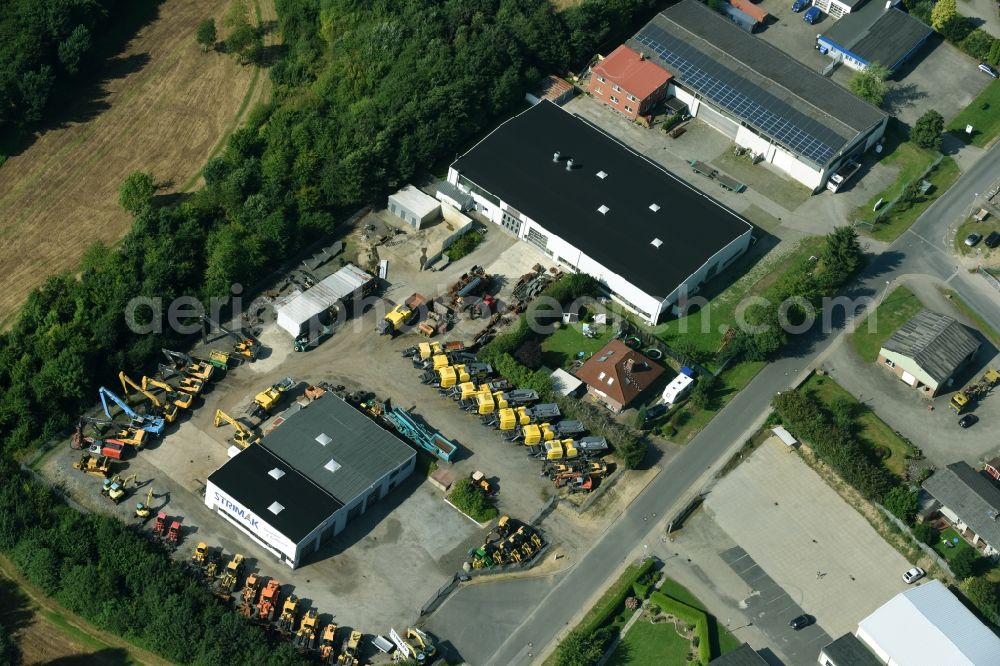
<point>325,464</point>
<point>781,110</point>
<point>876,32</point>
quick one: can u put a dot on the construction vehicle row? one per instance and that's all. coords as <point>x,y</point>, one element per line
<point>975,391</point>
<point>245,345</point>
<point>510,542</point>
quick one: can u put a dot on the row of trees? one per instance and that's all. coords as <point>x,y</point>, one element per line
<point>48,48</point>
<point>943,16</point>
<point>122,582</point>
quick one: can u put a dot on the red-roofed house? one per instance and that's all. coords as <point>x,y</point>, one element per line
<point>628,82</point>
<point>617,375</point>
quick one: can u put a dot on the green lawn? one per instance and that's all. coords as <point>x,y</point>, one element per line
<point>691,419</point>
<point>648,644</point>
<point>950,553</point>
<point>723,641</point>
<point>706,326</point>
<point>987,256</point>
<point>897,308</point>
<point>560,348</point>
<point>909,158</point>
<point>899,218</point>
<point>873,430</point>
<point>991,333</point>
<point>983,113</point>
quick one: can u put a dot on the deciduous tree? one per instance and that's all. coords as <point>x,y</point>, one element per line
<point>943,12</point>
<point>964,563</point>
<point>136,191</point>
<point>207,34</point>
<point>579,649</point>
<point>927,130</point>
<point>870,83</point>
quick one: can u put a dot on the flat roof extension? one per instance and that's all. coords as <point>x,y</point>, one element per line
<point>515,163</point>
<point>877,34</point>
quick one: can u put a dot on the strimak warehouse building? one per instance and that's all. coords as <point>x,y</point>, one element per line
<point>596,206</point>
<point>324,465</point>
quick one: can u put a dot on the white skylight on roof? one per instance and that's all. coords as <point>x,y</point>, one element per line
<point>654,207</point>
<point>332,466</point>
<point>656,242</point>
<point>323,438</point>
<point>275,508</point>
<point>602,175</point>
<point>601,376</point>
<point>276,473</point>
<point>611,380</point>
<point>603,210</point>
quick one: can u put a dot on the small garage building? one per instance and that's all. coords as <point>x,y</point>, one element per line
<point>414,207</point>
<point>877,32</point>
<point>324,465</point>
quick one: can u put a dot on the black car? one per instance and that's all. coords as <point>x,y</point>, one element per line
<point>993,239</point>
<point>801,622</point>
<point>968,420</point>
<point>656,410</point>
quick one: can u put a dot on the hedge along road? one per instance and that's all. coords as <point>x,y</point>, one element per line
<point>528,615</point>
<point>166,106</point>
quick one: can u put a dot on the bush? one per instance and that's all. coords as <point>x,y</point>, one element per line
<point>471,501</point>
<point>464,245</point>
<point>964,563</point>
<point>927,130</point>
<point>614,599</point>
<point>983,595</point>
<point>925,533</point>
<point>902,503</point>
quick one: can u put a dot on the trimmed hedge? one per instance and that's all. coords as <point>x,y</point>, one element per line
<point>690,615</point>
<point>607,607</point>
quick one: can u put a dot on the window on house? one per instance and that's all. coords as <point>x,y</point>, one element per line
<point>630,98</point>
<point>615,87</point>
<point>599,91</point>
<point>629,109</point>
<point>613,99</point>
<point>601,79</point>
<point>890,363</point>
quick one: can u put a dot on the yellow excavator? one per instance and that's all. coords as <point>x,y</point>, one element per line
<point>168,410</point>
<point>143,510</point>
<point>244,436</point>
<point>421,645</point>
<point>182,399</point>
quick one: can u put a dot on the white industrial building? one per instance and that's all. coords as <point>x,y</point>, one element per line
<point>794,118</point>
<point>325,464</point>
<point>596,206</point>
<point>927,625</point>
<point>305,308</point>
<point>414,207</point>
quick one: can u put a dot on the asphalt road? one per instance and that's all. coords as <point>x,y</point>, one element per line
<point>539,612</point>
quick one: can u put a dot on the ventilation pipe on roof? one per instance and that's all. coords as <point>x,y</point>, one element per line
<point>642,56</point>
<point>555,156</point>
<point>888,5</point>
<point>569,164</point>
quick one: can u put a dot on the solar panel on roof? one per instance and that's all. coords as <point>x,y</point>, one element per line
<point>755,106</point>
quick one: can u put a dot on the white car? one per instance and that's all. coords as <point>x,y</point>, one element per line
<point>913,575</point>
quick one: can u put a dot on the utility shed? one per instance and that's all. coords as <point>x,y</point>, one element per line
<point>877,32</point>
<point>927,351</point>
<point>309,306</point>
<point>565,384</point>
<point>414,207</point>
<point>928,625</point>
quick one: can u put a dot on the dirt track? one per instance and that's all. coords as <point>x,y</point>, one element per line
<point>166,107</point>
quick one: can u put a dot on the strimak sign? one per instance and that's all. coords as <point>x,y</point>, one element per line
<point>237,510</point>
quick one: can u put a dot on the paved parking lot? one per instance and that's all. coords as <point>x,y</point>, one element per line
<point>806,538</point>
<point>772,608</point>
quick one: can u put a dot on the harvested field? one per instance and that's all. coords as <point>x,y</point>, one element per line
<point>163,107</point>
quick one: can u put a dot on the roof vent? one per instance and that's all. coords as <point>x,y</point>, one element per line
<point>555,156</point>
<point>654,207</point>
<point>569,164</point>
<point>276,473</point>
<point>275,508</point>
<point>602,175</point>
<point>332,466</point>
<point>323,438</point>
<point>656,242</point>
<point>603,210</point>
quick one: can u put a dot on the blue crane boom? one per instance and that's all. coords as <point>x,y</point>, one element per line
<point>154,425</point>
